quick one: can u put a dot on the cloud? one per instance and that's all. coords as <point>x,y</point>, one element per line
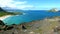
<point>24,6</point>
<point>4,3</point>
<point>24,2</point>
<point>15,4</point>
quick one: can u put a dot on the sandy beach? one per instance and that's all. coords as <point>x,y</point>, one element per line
<point>4,17</point>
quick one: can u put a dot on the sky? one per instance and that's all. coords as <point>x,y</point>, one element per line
<point>31,4</point>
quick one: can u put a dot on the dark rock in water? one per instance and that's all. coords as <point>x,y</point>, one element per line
<point>13,24</point>
<point>1,22</point>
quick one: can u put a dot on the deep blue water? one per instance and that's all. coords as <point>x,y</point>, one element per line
<point>30,16</point>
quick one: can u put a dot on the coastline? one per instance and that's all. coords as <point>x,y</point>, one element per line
<point>4,17</point>
<point>46,25</point>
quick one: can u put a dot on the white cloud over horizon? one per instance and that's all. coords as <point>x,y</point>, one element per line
<point>15,4</point>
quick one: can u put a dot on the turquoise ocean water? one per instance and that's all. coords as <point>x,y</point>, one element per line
<point>29,16</point>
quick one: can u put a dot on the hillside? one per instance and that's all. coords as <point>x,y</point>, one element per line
<point>3,12</point>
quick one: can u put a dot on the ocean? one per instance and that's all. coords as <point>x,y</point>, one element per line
<point>29,16</point>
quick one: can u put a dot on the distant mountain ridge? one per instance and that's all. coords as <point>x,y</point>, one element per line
<point>5,12</point>
<point>1,9</point>
<point>11,9</point>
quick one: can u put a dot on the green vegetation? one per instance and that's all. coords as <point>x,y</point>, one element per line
<point>2,13</point>
<point>39,31</point>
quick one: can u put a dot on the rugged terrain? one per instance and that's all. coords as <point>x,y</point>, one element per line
<point>45,26</point>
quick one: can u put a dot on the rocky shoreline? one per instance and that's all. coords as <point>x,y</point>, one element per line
<point>45,26</point>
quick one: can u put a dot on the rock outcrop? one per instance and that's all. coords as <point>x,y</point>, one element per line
<point>1,22</point>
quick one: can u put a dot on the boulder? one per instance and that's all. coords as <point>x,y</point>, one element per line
<point>1,22</point>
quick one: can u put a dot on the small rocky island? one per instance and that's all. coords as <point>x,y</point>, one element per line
<point>53,10</point>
